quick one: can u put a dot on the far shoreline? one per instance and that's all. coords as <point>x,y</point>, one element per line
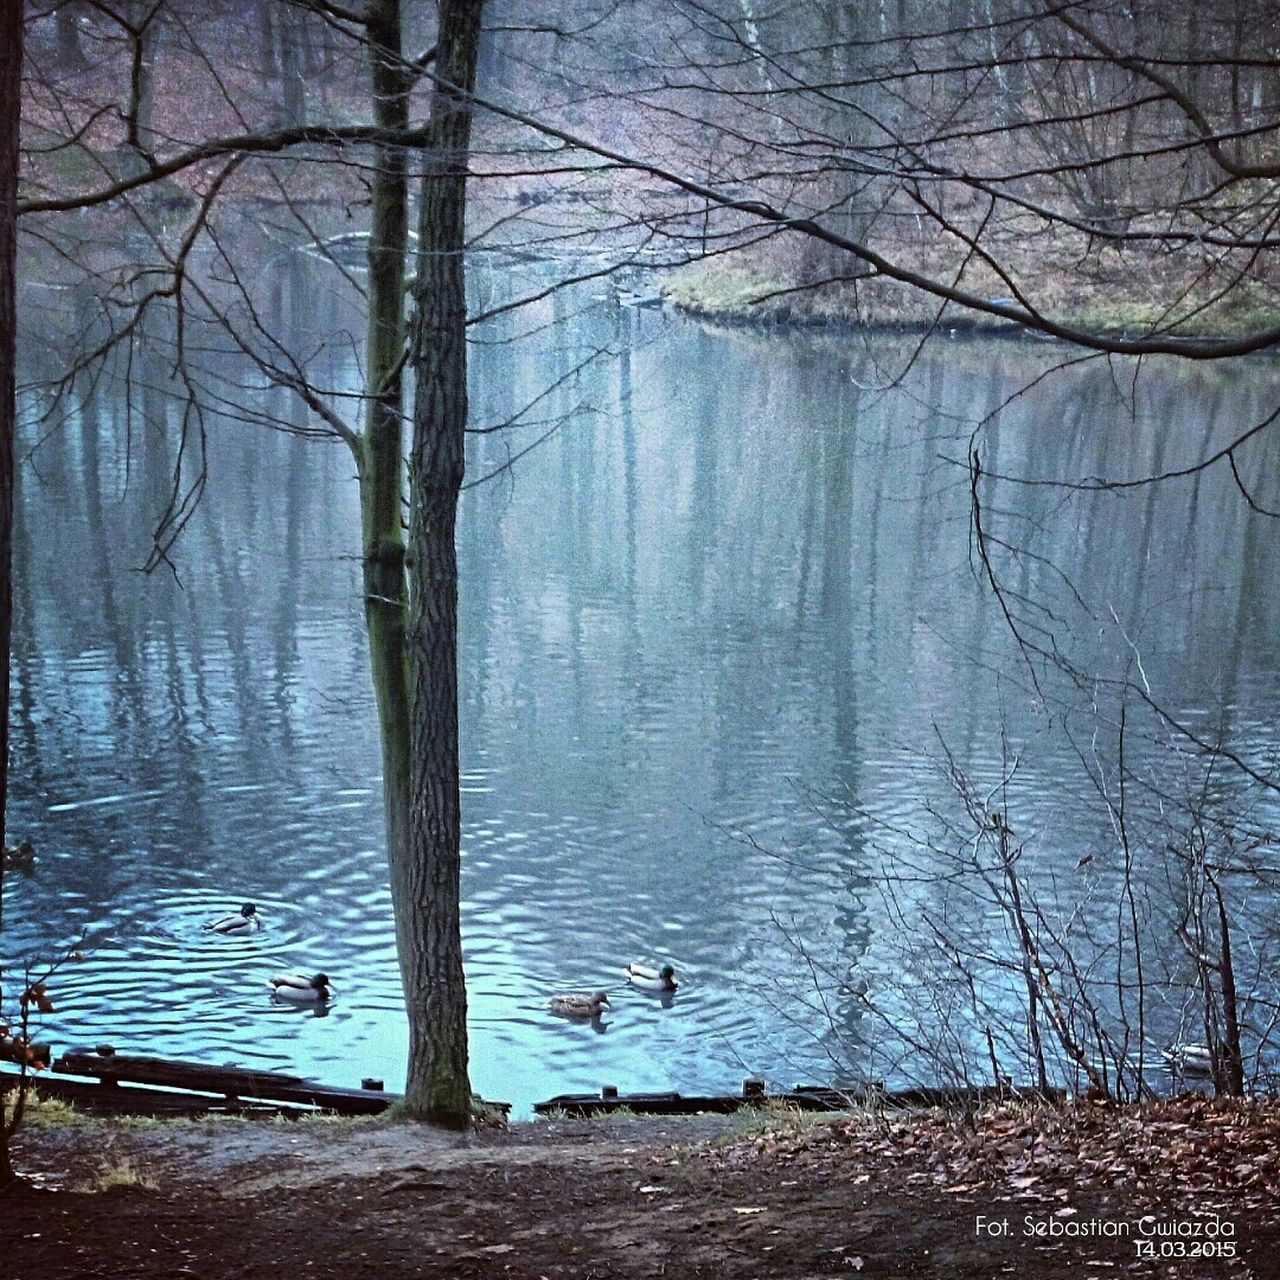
<point>741,294</point>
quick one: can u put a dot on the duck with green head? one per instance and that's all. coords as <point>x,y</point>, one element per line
<point>246,920</point>
<point>297,988</point>
<point>648,979</point>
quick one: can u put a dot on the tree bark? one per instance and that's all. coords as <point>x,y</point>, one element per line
<point>379,459</point>
<point>437,1087</point>
<point>10,116</point>
<point>70,55</point>
<point>267,37</point>
<point>289,29</point>
<point>142,87</point>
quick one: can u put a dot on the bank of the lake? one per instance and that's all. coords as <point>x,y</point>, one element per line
<point>1105,294</point>
<point>1182,1188</point>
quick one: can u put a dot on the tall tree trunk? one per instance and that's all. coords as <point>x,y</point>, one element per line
<point>70,55</point>
<point>381,478</point>
<point>267,44</point>
<point>142,88</point>
<point>437,1086</point>
<point>292,88</point>
<point>10,115</point>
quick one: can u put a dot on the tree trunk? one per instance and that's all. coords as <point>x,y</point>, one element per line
<point>292,89</point>
<point>142,91</point>
<point>10,114</point>
<point>437,1087</point>
<point>70,55</point>
<point>267,41</point>
<point>386,598</point>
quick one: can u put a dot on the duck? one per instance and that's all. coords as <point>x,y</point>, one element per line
<point>246,920</point>
<point>1190,1059</point>
<point>648,979</point>
<point>301,989</point>
<point>579,1005</point>
<point>638,297</point>
<point>20,856</point>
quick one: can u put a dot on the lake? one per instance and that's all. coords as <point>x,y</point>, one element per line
<point>723,626</point>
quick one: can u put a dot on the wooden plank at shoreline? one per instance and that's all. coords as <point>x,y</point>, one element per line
<point>94,1097</point>
<point>117,1074</point>
<point>669,1104</point>
<point>803,1097</point>
<point>231,1082</point>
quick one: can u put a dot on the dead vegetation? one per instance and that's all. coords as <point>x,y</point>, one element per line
<point>779,1196</point>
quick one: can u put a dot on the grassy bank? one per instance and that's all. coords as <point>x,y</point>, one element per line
<point>1115,295</point>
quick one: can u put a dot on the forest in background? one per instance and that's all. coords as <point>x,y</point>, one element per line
<point>1074,167</point>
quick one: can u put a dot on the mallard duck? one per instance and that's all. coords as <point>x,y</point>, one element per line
<point>1189,1059</point>
<point>648,979</point>
<point>20,856</point>
<point>578,1005</point>
<point>246,920</point>
<point>638,298</point>
<point>299,988</point>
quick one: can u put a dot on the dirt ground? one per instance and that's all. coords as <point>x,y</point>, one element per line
<point>726,1197</point>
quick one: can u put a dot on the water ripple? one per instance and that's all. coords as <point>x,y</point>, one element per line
<point>705,663</point>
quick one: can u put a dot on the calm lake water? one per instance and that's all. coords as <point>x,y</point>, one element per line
<point>717,630</point>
